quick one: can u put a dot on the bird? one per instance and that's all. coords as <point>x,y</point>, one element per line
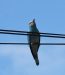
<point>34,41</point>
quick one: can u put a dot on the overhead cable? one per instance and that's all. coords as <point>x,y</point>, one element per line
<point>6,43</point>
<point>31,32</point>
<point>15,32</point>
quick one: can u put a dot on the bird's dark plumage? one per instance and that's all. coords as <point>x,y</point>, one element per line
<point>34,41</point>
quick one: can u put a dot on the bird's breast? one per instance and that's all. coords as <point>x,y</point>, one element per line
<point>34,39</point>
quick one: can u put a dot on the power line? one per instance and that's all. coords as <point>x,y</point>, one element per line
<point>31,32</point>
<point>16,32</point>
<point>22,33</point>
<point>28,43</point>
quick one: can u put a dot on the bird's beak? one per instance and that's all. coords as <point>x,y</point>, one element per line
<point>34,20</point>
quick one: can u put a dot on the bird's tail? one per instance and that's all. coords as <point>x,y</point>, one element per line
<point>37,61</point>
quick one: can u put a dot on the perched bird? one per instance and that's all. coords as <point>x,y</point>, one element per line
<point>34,41</point>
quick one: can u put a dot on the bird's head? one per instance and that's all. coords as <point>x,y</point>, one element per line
<point>31,23</point>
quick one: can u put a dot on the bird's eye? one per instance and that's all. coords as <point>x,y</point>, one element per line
<point>30,23</point>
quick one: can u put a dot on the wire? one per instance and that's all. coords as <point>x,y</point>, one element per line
<point>31,32</point>
<point>13,31</point>
<point>17,33</point>
<point>28,43</point>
